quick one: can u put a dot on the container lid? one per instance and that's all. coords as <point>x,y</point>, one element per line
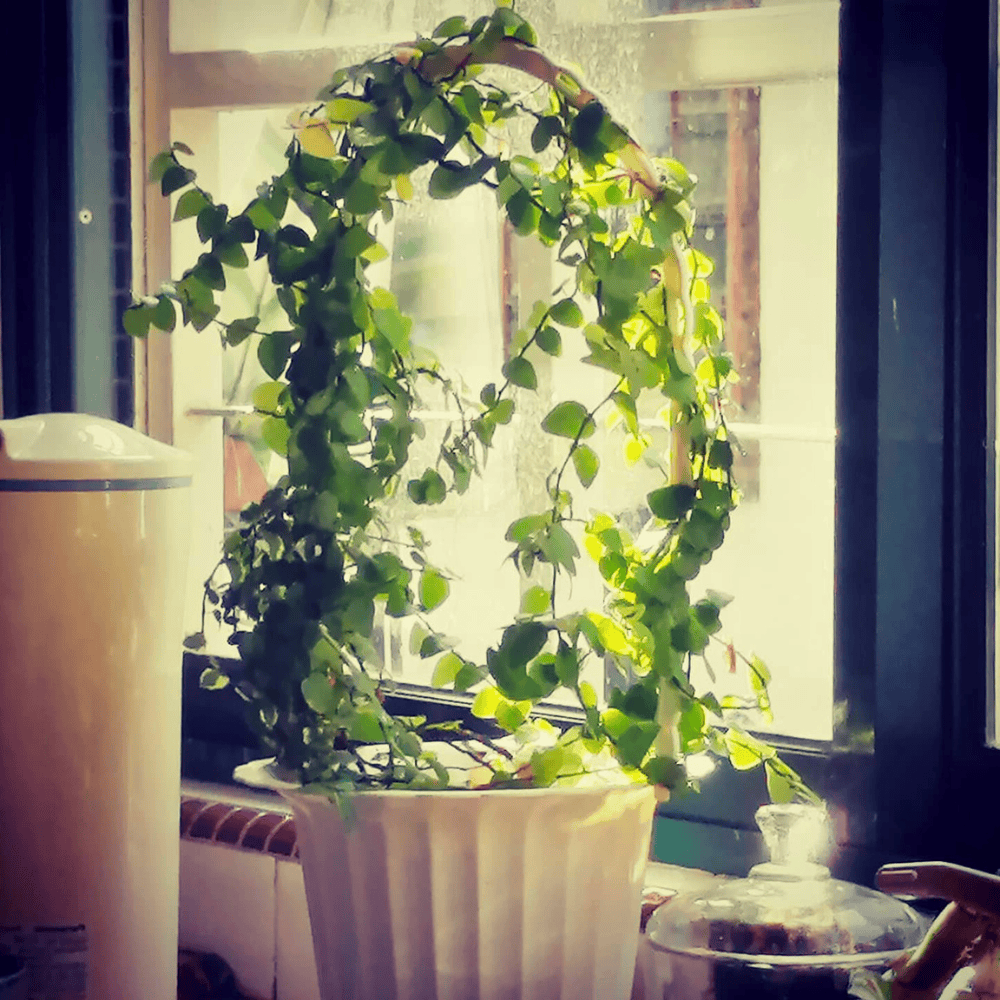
<point>77,452</point>
<point>789,911</point>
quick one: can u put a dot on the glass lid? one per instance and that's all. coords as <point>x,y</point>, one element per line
<point>789,909</point>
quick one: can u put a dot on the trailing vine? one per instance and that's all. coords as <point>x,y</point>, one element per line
<point>301,578</point>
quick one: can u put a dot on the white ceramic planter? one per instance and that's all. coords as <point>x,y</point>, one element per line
<point>472,895</point>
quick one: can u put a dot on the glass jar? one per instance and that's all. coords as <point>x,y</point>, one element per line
<point>789,931</point>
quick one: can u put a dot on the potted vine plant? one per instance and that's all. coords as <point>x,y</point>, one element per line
<point>511,882</point>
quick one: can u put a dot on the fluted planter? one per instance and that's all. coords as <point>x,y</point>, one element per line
<point>476,895</point>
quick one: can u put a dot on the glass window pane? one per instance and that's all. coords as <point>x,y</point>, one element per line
<point>764,146</point>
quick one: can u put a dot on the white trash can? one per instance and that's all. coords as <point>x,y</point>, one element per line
<point>93,556</point>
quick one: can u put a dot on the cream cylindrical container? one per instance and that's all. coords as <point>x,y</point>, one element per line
<point>93,554</point>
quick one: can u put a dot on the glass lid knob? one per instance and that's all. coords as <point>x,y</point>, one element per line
<point>796,835</point>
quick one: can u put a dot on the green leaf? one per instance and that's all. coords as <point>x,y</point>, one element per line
<point>319,694</point>
<point>760,675</point>
<point>231,253</point>
<point>745,751</point>
<point>503,411</point>
<point>665,771</point>
<point>447,669</point>
<point>211,221</point>
<point>707,614</point>
<point>469,676</point>
<point>409,744</point>
<point>586,463</point>
<point>635,742</point>
<point>523,213</point>
<point>520,529</point>
<point>212,679</point>
<point>639,701</point>
<point>689,635</point>
<point>395,327</point>
<point>273,353</point>
<point>569,419</point>
<point>355,242</point>
<point>346,110</point>
<point>428,489</point>
<point>567,665</point>
<point>508,663</point>
<point>447,183</point>
<point>544,131</point>
<point>716,499</point>
<point>671,503</point>
<point>485,704</point>
<point>261,216</point>
<point>779,788</point>
<point>240,229</point>
<point>209,272</point>
<point>546,765</point>
<point>692,722</point>
<point>190,204</point>
<point>567,313</point>
<point>365,728</point>
<point>625,405</point>
<point>239,329</point>
<point>450,27</point>
<point>174,178</point>
<point>136,320</point>
<point>559,548</point>
<point>525,171</point>
<point>586,126</point>
<point>438,117</point>
<point>160,164</point>
<point>549,340</point>
<point>433,588</point>
<point>520,371</point>
<point>419,634</point>
<point>197,302</point>
<point>511,715</point>
<point>293,236</point>
<point>526,33</point>
<point>523,642</point>
<point>616,723</point>
<point>506,190</point>
<point>164,314</point>
<point>484,428</point>
<point>266,396</point>
<point>720,455</point>
<point>535,601</point>
<point>275,433</point>
<point>431,645</point>
<point>362,198</point>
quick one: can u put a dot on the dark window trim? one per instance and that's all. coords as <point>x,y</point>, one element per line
<point>64,134</point>
<point>36,174</point>
<point>930,507</point>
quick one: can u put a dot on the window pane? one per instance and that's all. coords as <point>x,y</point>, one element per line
<point>763,143</point>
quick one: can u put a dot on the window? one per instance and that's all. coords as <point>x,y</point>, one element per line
<point>908,509</point>
<point>759,130</point>
<point>915,497</point>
